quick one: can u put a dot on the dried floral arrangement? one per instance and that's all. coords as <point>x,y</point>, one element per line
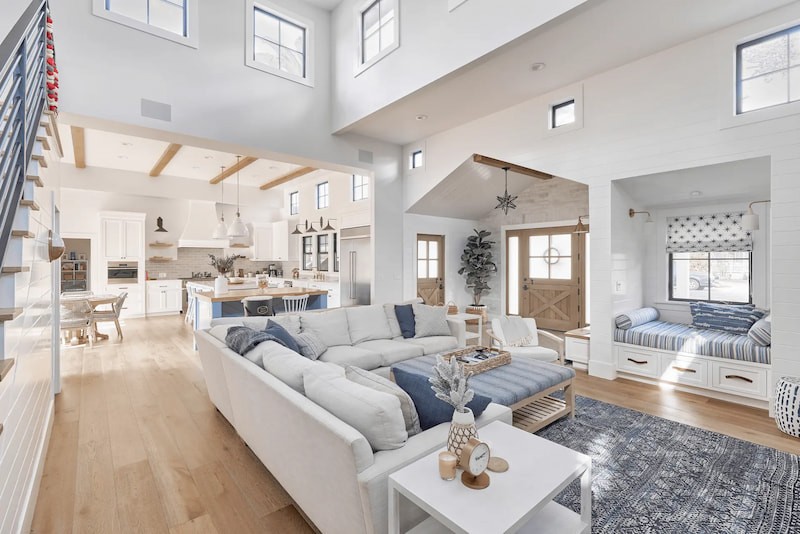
<point>223,264</point>
<point>450,383</point>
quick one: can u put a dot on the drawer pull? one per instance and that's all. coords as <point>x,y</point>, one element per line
<point>684,369</point>
<point>739,377</point>
<point>638,362</point>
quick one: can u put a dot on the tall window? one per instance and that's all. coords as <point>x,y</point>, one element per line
<point>294,203</point>
<point>322,195</point>
<point>360,187</point>
<point>379,29</point>
<point>323,252</point>
<point>415,160</point>
<point>278,43</point>
<point>563,113</point>
<point>175,20</point>
<point>768,71</point>
<point>709,258</point>
<point>308,253</point>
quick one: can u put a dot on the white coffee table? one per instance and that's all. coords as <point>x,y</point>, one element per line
<point>519,500</point>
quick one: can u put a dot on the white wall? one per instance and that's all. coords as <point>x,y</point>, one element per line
<point>348,213</point>
<point>10,12</point>
<point>668,111</point>
<point>629,238</point>
<point>450,41</point>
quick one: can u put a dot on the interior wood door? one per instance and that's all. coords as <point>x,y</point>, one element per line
<point>546,280</point>
<point>430,269</point>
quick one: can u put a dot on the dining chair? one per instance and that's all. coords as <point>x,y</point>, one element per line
<point>112,314</point>
<point>78,317</point>
<point>292,304</point>
<point>257,305</point>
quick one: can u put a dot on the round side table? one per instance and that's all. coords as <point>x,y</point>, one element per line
<point>787,405</point>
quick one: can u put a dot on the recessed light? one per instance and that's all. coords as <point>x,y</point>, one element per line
<point>538,66</point>
<point>127,143</point>
<point>208,157</point>
<point>195,167</point>
<point>421,117</point>
<point>696,193</point>
<point>122,156</point>
<point>273,167</point>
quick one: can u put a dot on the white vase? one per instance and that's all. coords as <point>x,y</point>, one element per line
<point>220,284</point>
<point>462,427</point>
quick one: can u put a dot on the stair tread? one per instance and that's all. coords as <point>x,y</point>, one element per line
<point>40,160</point>
<point>45,143</point>
<point>9,314</point>
<point>22,233</point>
<point>14,270</point>
<point>35,179</point>
<point>5,367</point>
<point>29,204</point>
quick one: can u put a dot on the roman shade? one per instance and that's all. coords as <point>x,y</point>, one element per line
<point>716,232</point>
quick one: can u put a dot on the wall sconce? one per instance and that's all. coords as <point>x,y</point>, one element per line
<point>580,228</point>
<point>297,230</point>
<point>750,219</point>
<point>311,230</point>
<point>632,213</point>
<point>55,246</point>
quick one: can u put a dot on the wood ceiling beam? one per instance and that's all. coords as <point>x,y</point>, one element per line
<point>302,171</point>
<point>519,169</point>
<point>78,146</point>
<point>165,158</point>
<point>244,162</point>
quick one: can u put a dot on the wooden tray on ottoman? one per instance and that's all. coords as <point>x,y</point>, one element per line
<point>494,358</point>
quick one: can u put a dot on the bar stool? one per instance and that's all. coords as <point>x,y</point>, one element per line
<point>191,303</point>
<point>295,303</point>
<point>257,306</point>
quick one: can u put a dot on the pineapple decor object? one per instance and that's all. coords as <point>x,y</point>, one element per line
<point>450,383</point>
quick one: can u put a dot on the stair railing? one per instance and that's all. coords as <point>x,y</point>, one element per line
<point>22,98</point>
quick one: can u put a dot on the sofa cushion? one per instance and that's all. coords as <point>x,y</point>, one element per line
<point>311,346</point>
<point>275,329</point>
<point>736,319</point>
<point>430,321</point>
<point>379,383</point>
<point>377,415</point>
<point>431,410</point>
<point>392,351</point>
<point>289,321</point>
<point>331,326</point>
<point>220,331</point>
<point>346,355</point>
<point>287,366</point>
<point>542,354</point>
<point>761,332</point>
<point>433,344</point>
<point>405,317</point>
<point>391,318</point>
<point>367,323</point>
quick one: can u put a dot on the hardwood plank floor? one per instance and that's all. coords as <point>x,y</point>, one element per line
<point>138,447</point>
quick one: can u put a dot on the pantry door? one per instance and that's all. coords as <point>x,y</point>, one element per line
<point>430,269</point>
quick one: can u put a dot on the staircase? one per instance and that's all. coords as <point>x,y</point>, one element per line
<point>28,281</point>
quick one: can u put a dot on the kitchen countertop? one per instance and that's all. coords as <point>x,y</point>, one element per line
<point>234,295</point>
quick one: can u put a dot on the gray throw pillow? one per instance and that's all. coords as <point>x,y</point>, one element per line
<point>378,383</point>
<point>311,346</point>
<point>430,321</point>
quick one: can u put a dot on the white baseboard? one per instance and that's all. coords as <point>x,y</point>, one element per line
<point>41,456</point>
<point>605,370</point>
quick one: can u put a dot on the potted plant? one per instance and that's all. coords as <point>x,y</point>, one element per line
<point>450,383</point>
<point>477,267</point>
<point>222,264</point>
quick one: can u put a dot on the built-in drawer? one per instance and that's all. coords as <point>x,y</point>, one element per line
<point>640,363</point>
<point>750,381</point>
<point>684,371</point>
<point>577,350</point>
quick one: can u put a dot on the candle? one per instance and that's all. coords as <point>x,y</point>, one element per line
<point>447,465</point>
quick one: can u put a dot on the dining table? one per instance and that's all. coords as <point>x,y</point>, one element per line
<point>94,300</point>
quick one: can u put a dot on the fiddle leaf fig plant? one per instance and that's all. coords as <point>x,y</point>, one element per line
<point>477,265</point>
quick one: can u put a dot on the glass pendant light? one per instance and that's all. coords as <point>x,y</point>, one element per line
<point>221,231</point>
<point>238,228</point>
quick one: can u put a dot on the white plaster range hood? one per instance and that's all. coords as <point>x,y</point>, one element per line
<point>200,226</point>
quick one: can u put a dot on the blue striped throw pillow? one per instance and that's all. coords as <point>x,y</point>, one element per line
<point>636,317</point>
<point>733,318</point>
<point>761,333</point>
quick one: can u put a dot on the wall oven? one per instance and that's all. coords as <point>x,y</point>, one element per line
<point>123,272</point>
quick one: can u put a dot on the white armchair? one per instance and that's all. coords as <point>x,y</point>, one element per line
<point>531,348</point>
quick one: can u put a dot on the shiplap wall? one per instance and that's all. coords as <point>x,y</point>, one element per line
<point>668,111</point>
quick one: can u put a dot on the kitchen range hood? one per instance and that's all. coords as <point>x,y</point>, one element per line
<point>200,227</point>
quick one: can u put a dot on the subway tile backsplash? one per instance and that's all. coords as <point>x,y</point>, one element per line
<point>193,260</point>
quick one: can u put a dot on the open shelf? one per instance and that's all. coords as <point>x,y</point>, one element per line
<point>160,258</point>
<point>159,244</point>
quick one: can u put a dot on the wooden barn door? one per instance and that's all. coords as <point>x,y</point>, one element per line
<point>430,269</point>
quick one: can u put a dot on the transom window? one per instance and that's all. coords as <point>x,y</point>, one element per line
<point>294,203</point>
<point>768,71</point>
<point>416,161</point>
<point>322,195</point>
<point>378,29</point>
<point>360,187</point>
<point>278,43</point>
<point>563,113</point>
<point>550,256</point>
<point>175,20</point>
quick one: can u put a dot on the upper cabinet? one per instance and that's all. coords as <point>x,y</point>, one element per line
<point>123,237</point>
<point>272,242</point>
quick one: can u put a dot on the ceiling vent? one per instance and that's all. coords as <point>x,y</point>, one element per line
<point>364,156</point>
<point>156,110</point>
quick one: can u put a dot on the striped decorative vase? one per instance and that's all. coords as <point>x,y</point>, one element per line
<point>462,427</point>
<point>787,405</point>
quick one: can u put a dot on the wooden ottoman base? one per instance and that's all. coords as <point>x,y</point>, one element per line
<point>540,410</point>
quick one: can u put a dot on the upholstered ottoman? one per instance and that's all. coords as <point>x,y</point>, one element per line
<point>524,385</point>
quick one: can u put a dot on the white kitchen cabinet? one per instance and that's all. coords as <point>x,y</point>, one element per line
<point>334,292</point>
<point>263,243</point>
<point>284,245</point>
<point>134,305</point>
<point>123,238</point>
<point>163,296</point>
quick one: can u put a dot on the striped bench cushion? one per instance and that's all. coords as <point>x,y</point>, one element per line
<point>678,337</point>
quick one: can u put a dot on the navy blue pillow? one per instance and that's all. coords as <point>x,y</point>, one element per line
<point>432,411</point>
<point>405,316</point>
<point>281,333</point>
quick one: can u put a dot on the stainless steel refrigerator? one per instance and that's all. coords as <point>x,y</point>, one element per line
<point>356,266</point>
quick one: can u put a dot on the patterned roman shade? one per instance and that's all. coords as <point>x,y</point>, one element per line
<point>716,232</point>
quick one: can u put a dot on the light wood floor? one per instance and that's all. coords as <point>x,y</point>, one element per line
<point>138,447</point>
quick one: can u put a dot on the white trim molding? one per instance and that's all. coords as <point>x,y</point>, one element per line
<point>362,66</point>
<point>192,19</point>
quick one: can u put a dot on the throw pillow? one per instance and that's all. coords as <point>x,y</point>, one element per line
<point>220,331</point>
<point>311,346</point>
<point>378,383</point>
<point>330,325</point>
<point>431,410</point>
<point>636,317</point>
<point>430,321</point>
<point>391,318</point>
<point>280,332</point>
<point>375,414</point>
<point>290,322</point>
<point>405,318</point>
<point>367,323</point>
<point>736,319</point>
<point>761,332</point>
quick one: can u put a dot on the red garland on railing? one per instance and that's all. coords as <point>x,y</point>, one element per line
<point>52,70</point>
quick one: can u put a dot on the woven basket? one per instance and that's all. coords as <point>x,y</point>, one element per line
<point>452,309</point>
<point>498,358</point>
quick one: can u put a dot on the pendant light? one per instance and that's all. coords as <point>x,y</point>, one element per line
<point>506,202</point>
<point>221,231</point>
<point>238,228</point>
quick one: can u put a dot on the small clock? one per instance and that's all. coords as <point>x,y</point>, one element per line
<point>475,459</point>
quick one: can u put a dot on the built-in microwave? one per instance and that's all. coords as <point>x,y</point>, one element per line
<point>123,272</point>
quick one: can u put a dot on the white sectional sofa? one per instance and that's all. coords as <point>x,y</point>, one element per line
<point>326,465</point>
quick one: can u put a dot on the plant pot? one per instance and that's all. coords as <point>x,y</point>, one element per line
<point>479,309</point>
<point>220,285</point>
<point>462,427</point>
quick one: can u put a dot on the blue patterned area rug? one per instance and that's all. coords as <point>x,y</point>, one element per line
<point>651,475</point>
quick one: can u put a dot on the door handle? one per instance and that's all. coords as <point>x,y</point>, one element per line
<point>525,287</point>
<point>352,274</point>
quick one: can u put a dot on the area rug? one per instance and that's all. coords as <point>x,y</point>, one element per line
<point>651,475</point>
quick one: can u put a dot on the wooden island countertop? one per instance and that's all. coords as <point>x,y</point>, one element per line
<point>235,295</point>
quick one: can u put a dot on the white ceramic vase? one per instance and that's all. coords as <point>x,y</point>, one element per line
<point>220,284</point>
<point>462,427</point>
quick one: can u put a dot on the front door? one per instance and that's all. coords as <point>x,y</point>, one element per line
<point>546,276</point>
<point>430,269</point>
